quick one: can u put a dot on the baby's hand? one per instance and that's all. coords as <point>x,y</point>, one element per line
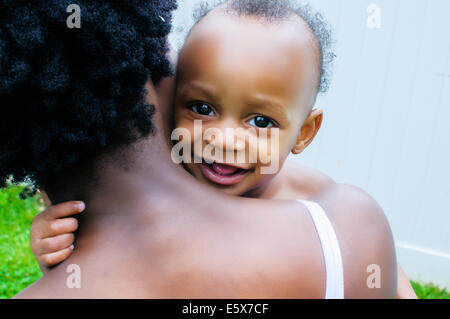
<point>51,234</point>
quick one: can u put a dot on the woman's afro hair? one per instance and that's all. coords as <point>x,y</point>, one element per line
<point>67,94</point>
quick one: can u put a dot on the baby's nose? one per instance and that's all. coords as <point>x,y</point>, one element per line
<point>229,140</point>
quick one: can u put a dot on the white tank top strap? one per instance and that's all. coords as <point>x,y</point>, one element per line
<point>331,251</point>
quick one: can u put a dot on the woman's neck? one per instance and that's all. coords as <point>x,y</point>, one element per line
<point>142,179</point>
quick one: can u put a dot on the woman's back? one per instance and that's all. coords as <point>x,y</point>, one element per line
<point>238,249</point>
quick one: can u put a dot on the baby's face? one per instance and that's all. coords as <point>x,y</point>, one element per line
<point>243,77</point>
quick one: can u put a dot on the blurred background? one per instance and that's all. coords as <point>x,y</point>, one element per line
<point>386,118</point>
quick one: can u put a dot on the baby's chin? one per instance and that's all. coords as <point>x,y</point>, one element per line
<point>232,191</point>
<point>240,189</point>
<point>236,190</point>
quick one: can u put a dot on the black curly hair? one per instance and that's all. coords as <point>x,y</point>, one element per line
<point>67,94</point>
<point>278,10</point>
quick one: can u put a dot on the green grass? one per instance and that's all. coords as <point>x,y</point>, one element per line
<point>19,269</point>
<point>429,291</point>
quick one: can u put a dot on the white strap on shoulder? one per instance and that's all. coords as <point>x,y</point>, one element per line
<point>331,251</point>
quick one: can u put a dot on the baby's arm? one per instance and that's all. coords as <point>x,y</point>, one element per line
<point>51,234</point>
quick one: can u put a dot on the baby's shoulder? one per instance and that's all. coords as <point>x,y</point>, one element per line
<point>304,180</point>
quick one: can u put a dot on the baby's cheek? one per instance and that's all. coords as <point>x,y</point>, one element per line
<point>274,154</point>
<point>178,118</point>
<point>271,148</point>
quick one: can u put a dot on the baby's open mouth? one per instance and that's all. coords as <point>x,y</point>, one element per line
<point>223,174</point>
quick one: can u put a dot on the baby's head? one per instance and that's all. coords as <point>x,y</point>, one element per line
<point>251,70</point>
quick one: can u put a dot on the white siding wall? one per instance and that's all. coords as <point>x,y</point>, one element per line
<point>386,120</point>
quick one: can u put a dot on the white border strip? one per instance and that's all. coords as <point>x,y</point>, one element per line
<point>423,250</point>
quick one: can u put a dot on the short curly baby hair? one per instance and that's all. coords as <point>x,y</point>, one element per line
<point>279,10</point>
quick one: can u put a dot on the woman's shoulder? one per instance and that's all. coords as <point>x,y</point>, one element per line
<point>365,237</point>
<point>350,204</point>
<point>363,233</point>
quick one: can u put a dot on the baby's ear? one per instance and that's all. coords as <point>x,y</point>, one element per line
<point>308,131</point>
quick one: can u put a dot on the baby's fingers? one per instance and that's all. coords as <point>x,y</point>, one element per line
<point>55,244</point>
<point>59,226</point>
<point>63,210</point>
<point>56,257</point>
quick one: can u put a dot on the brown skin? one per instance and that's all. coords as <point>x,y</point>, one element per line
<point>188,255</point>
<point>213,70</point>
<point>241,78</point>
<point>184,234</point>
<point>51,235</point>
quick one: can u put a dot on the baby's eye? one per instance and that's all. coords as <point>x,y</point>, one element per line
<point>261,122</point>
<point>202,109</point>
